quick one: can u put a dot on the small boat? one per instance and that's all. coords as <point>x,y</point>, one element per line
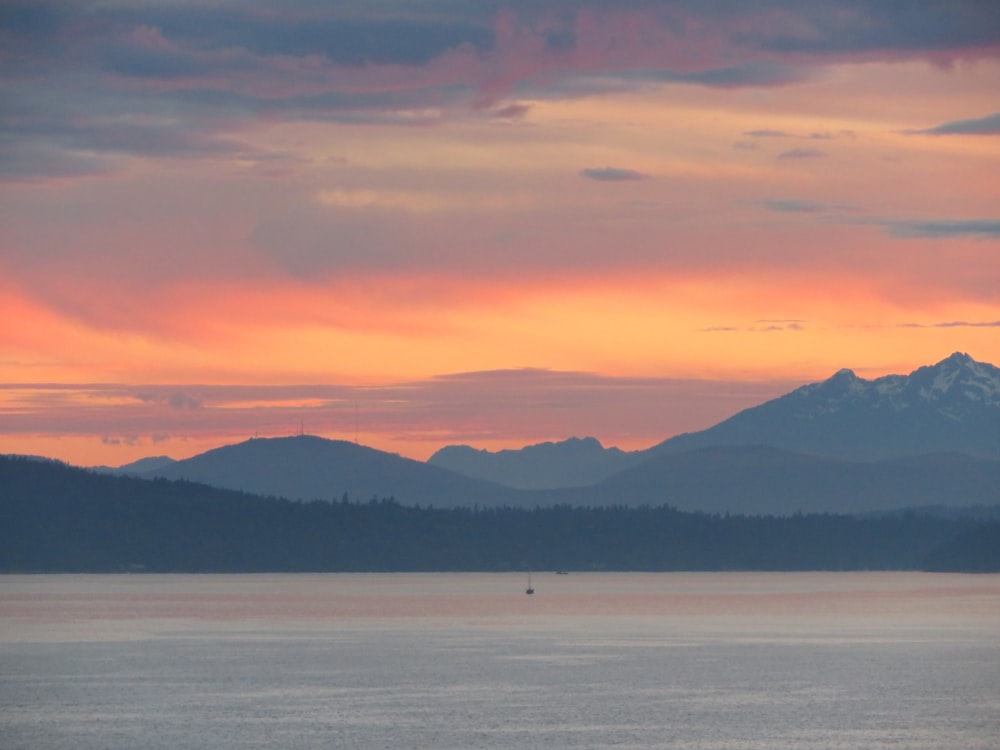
<point>530,589</point>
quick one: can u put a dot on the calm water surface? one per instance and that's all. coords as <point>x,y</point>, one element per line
<point>464,661</point>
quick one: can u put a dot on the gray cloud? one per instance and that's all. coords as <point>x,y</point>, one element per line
<point>761,326</point>
<point>181,400</point>
<point>828,136</point>
<point>880,26</point>
<point>754,74</point>
<point>511,111</point>
<point>347,35</point>
<point>130,440</point>
<point>953,324</point>
<point>612,174</point>
<point>413,34</point>
<point>983,229</point>
<point>791,205</point>
<point>177,399</point>
<point>62,131</point>
<point>803,153</point>
<point>768,134</point>
<point>800,206</point>
<point>169,80</point>
<point>989,125</point>
<point>824,135</point>
<point>29,159</point>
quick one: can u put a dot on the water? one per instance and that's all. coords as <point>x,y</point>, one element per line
<point>464,661</point>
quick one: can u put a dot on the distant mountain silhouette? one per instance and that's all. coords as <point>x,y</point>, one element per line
<point>732,479</point>
<point>845,445</point>
<point>950,407</point>
<point>307,468</point>
<point>760,480</point>
<point>137,468</point>
<point>575,462</point>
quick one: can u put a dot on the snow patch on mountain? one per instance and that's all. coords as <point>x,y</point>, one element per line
<point>951,387</point>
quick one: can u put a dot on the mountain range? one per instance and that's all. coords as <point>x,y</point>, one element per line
<point>849,445</point>
<point>950,407</point>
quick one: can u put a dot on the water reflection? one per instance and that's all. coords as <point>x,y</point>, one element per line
<point>467,661</point>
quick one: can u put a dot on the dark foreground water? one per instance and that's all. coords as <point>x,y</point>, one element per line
<point>465,661</point>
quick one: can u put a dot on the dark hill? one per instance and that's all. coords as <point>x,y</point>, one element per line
<point>307,467</point>
<point>764,480</point>
<point>59,518</point>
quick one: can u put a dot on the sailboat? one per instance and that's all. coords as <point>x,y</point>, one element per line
<point>530,589</point>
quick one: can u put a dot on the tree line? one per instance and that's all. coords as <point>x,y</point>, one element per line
<point>57,518</point>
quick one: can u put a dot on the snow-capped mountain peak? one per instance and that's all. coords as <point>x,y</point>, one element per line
<point>955,380</point>
<point>952,406</point>
<point>951,383</point>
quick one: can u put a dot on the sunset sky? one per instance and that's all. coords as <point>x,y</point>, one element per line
<point>425,222</point>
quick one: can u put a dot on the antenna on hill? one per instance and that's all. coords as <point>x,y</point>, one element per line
<point>356,422</point>
<point>302,427</point>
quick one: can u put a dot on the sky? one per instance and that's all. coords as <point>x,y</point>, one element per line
<point>415,223</point>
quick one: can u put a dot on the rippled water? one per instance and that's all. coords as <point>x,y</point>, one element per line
<point>463,661</point>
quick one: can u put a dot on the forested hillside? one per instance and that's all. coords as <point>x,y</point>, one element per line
<point>58,518</point>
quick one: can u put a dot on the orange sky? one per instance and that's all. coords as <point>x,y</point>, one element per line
<point>520,226</point>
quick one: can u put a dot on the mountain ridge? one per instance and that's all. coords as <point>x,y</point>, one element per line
<point>59,518</point>
<point>137,468</point>
<point>952,406</point>
<point>845,444</point>
<point>762,480</point>
<point>307,467</point>
<point>573,462</point>
<point>751,480</point>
